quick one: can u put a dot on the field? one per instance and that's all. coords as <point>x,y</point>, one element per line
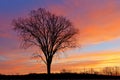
<point>62,76</point>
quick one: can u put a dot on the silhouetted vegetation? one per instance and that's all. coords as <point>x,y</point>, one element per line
<point>58,76</point>
<point>104,73</point>
<point>111,70</point>
<point>49,32</point>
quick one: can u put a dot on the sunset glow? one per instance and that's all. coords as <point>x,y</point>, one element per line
<point>99,36</point>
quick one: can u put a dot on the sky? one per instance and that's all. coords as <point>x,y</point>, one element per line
<point>99,37</point>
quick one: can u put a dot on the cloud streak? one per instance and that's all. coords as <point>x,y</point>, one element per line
<point>98,21</point>
<point>70,63</point>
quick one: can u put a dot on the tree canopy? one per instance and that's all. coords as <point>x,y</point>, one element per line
<point>46,30</point>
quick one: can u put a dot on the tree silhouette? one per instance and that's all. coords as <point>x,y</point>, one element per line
<point>111,70</point>
<point>108,70</point>
<point>49,32</point>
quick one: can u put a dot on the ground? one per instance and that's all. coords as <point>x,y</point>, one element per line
<point>62,76</point>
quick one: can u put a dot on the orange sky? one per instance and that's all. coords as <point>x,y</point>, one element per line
<point>99,25</point>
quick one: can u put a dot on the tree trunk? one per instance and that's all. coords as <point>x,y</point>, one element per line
<point>49,61</point>
<point>48,68</point>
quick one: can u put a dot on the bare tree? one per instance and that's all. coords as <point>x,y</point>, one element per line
<point>107,70</point>
<point>49,32</point>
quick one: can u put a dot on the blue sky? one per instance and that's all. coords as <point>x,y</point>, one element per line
<point>97,20</point>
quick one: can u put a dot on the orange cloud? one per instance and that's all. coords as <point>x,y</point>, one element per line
<point>100,33</point>
<point>70,63</point>
<point>88,60</point>
<point>97,24</point>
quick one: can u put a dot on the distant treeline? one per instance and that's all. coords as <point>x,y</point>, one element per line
<point>104,73</point>
<point>114,71</point>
